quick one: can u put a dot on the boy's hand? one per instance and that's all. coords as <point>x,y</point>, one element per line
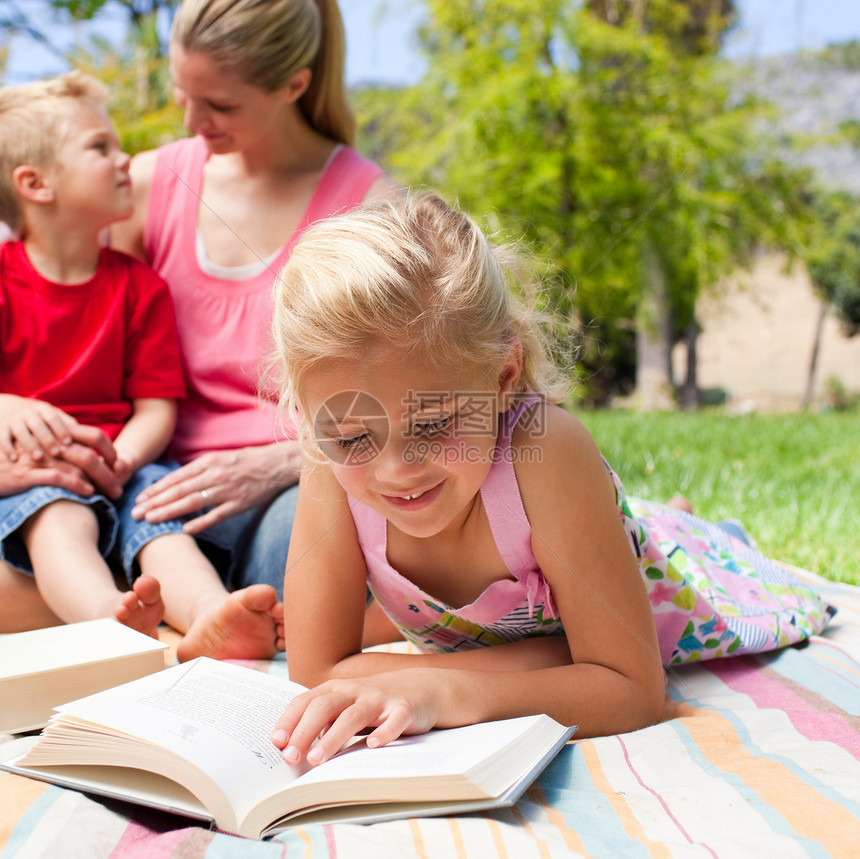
<point>124,466</point>
<point>37,430</point>
<point>80,470</point>
<point>393,703</point>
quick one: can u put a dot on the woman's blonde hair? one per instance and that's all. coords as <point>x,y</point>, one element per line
<point>413,273</point>
<point>34,119</point>
<point>267,41</point>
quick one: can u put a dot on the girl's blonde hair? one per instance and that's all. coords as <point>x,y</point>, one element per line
<point>267,41</point>
<point>34,120</point>
<point>410,272</point>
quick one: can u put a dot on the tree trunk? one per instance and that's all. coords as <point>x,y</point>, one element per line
<point>654,338</point>
<point>690,391</point>
<point>813,358</point>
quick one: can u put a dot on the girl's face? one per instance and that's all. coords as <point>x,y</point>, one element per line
<point>228,113</point>
<point>409,441</point>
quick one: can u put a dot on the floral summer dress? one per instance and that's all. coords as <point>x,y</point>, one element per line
<point>711,594</point>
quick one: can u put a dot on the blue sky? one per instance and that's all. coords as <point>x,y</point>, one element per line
<point>380,35</point>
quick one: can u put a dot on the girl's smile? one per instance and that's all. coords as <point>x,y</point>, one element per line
<point>417,500</point>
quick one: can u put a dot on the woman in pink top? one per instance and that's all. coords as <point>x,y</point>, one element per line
<point>217,215</point>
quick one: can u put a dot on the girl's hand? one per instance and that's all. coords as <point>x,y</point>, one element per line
<point>394,703</point>
<point>37,430</point>
<point>222,483</point>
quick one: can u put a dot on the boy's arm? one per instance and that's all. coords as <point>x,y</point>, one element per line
<point>145,436</point>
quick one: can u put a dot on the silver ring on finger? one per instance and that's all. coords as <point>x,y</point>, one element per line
<point>204,494</point>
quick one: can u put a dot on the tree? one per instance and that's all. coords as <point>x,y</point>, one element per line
<point>135,71</point>
<point>832,257</point>
<point>141,105</point>
<point>143,16</point>
<point>630,164</point>
<point>696,26</point>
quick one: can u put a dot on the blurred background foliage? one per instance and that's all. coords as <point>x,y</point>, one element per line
<point>610,138</point>
<point>614,142</point>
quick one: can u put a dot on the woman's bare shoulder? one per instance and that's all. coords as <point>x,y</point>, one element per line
<point>381,187</point>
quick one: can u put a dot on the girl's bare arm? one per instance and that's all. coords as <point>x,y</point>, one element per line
<point>605,676</point>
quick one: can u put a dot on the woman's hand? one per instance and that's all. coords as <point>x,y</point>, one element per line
<point>222,484</point>
<point>408,701</point>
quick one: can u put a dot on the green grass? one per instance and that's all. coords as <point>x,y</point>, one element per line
<point>793,480</point>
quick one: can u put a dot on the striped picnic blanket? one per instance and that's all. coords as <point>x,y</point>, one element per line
<point>760,758</point>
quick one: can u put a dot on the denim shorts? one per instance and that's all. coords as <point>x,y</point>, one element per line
<point>120,536</point>
<point>251,547</point>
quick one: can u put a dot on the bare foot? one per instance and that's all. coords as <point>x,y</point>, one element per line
<point>679,502</point>
<point>249,624</point>
<point>141,608</point>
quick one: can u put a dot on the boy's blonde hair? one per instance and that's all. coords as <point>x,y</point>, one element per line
<point>267,41</point>
<point>410,272</point>
<point>34,119</point>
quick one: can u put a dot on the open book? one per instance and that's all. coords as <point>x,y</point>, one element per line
<point>46,667</point>
<point>194,739</point>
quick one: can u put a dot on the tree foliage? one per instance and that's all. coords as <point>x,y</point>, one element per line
<point>141,105</point>
<point>695,26</point>
<point>605,146</point>
<point>606,134</point>
<point>832,255</point>
<point>142,14</point>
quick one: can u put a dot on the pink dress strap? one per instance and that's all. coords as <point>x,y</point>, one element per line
<point>508,609</point>
<point>500,494</point>
<point>509,523</point>
<point>344,183</point>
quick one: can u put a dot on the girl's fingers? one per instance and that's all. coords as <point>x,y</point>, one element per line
<point>335,735</point>
<point>319,723</point>
<point>396,723</point>
<point>318,714</point>
<point>312,714</point>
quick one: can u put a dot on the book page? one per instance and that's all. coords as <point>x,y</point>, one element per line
<point>221,702</point>
<point>215,715</point>
<point>436,753</point>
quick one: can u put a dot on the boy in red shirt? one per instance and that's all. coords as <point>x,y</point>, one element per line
<point>87,336</point>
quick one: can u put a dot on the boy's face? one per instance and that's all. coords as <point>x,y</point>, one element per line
<point>90,178</point>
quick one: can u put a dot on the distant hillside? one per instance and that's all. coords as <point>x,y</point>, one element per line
<point>818,95</point>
